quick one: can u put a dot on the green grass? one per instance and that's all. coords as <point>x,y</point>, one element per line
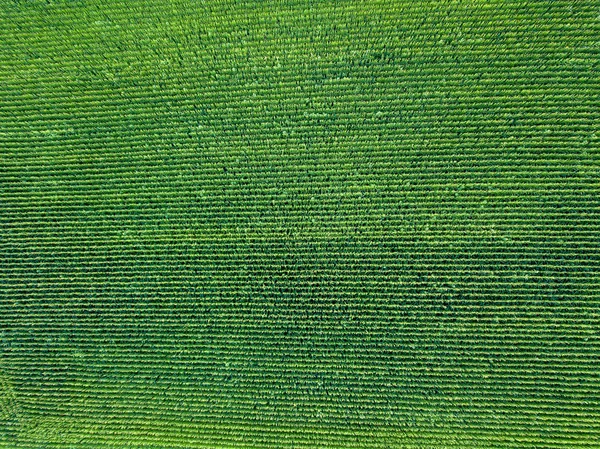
<point>299,224</point>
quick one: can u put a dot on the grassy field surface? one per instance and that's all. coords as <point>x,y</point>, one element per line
<point>299,224</point>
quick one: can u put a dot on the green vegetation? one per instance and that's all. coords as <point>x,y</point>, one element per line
<point>322,224</point>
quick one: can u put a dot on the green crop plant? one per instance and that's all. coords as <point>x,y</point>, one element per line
<point>299,224</point>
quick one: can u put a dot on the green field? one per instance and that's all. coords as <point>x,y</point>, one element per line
<point>299,224</point>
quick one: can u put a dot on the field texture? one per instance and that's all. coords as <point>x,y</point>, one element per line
<point>299,224</point>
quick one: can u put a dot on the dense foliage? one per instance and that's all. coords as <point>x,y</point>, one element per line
<point>291,224</point>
